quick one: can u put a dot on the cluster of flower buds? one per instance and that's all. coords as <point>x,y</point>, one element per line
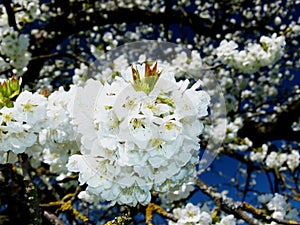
<point>9,90</point>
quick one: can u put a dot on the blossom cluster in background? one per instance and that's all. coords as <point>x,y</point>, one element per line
<point>254,56</point>
<point>194,215</point>
<point>278,206</point>
<point>14,50</point>
<point>276,160</point>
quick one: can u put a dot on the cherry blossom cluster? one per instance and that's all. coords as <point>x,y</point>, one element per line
<point>278,206</point>
<point>276,160</point>
<point>14,45</point>
<point>57,138</point>
<point>194,215</point>
<point>20,125</point>
<point>139,134</point>
<point>255,56</point>
<point>14,50</point>
<point>39,126</point>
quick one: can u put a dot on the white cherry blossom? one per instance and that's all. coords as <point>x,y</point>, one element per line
<point>137,137</point>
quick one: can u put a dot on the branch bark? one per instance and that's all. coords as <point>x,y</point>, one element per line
<point>31,191</point>
<point>226,204</point>
<point>10,14</point>
<point>53,218</point>
<point>239,209</point>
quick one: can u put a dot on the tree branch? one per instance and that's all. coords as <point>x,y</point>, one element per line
<point>227,205</point>
<point>279,128</point>
<point>260,214</point>
<point>10,14</point>
<point>31,191</point>
<point>53,218</point>
<point>239,209</point>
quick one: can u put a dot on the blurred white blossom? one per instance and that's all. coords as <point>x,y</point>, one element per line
<point>293,160</point>
<point>14,46</point>
<point>255,56</point>
<point>279,207</point>
<point>276,160</point>
<point>194,215</point>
